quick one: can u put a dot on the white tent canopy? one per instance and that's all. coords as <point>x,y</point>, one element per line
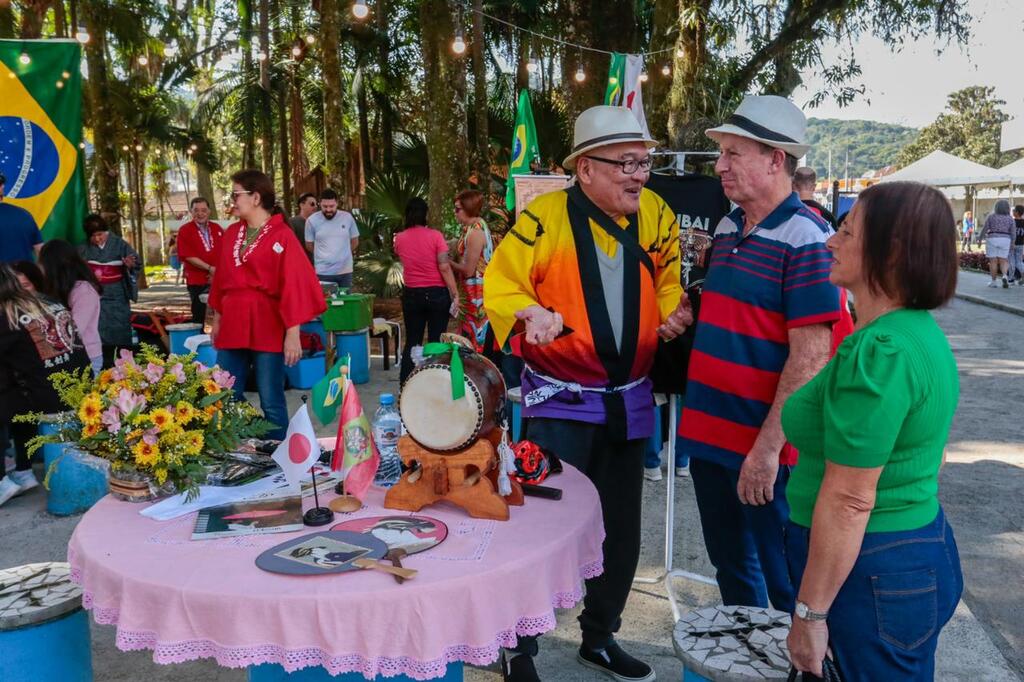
<point>1014,171</point>
<point>941,169</point>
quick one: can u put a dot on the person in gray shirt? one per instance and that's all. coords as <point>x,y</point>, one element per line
<point>307,207</point>
<point>333,238</point>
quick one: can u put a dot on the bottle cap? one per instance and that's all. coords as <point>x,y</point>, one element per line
<point>387,399</point>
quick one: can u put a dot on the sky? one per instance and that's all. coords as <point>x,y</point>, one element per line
<point>910,87</point>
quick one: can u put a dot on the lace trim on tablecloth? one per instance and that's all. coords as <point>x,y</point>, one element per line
<point>296,659</point>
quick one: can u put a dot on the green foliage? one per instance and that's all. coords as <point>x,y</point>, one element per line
<point>872,145</point>
<point>969,128</point>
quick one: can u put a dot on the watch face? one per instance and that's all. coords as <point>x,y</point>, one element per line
<point>801,610</point>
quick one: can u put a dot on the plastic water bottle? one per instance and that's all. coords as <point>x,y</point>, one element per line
<point>387,427</point>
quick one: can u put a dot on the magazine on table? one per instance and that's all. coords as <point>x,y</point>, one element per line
<point>250,517</point>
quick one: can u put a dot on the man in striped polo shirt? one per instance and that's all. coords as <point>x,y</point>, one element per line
<point>764,330</point>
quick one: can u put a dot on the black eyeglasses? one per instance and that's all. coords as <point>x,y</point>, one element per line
<point>628,166</point>
<point>235,193</point>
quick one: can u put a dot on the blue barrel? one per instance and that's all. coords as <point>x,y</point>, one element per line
<point>207,354</point>
<point>357,346</point>
<point>177,334</point>
<point>44,633</point>
<point>315,327</point>
<point>272,672</point>
<point>77,483</point>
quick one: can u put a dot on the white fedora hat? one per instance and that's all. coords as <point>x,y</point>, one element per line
<point>601,126</point>
<point>770,119</point>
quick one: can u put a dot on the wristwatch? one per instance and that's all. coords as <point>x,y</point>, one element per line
<point>804,612</point>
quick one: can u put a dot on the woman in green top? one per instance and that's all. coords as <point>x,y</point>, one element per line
<point>871,554</point>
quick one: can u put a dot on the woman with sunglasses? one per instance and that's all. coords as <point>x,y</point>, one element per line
<point>265,287</point>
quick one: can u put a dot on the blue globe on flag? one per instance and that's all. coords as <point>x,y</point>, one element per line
<point>28,157</point>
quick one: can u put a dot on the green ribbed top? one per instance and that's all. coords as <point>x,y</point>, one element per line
<point>886,400</point>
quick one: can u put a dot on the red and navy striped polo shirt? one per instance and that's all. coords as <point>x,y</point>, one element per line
<point>758,288</point>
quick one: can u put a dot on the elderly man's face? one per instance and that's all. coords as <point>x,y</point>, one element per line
<point>747,169</point>
<point>614,192</point>
<point>200,212</point>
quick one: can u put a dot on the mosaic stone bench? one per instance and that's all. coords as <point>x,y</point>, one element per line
<point>733,643</point>
<point>44,633</point>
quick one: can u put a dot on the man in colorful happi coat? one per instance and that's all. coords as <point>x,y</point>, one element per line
<point>590,277</point>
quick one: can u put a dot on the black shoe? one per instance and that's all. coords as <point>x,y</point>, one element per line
<point>518,668</point>
<point>615,663</point>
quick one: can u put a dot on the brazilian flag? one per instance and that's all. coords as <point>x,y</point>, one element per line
<point>40,132</point>
<point>616,75</point>
<point>524,147</point>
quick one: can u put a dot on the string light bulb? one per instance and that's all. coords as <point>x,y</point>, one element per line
<point>532,65</point>
<point>124,147</point>
<point>679,53</point>
<point>170,50</point>
<point>310,39</point>
<point>143,60</point>
<point>580,75</point>
<point>25,59</point>
<point>81,145</point>
<point>459,44</point>
<point>665,70</point>
<point>360,10</point>
<point>81,35</point>
<point>643,78</point>
<point>194,147</point>
<point>138,147</point>
<point>297,51</point>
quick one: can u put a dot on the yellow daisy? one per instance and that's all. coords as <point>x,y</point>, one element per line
<point>90,430</point>
<point>90,409</point>
<point>161,418</point>
<point>146,454</point>
<point>194,442</point>
<point>185,412</point>
<point>211,387</point>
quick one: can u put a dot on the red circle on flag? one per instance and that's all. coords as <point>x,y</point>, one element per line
<point>298,448</point>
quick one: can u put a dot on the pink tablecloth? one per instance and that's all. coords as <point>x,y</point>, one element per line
<point>488,582</point>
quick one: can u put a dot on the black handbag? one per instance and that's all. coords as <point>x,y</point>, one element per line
<point>829,673</point>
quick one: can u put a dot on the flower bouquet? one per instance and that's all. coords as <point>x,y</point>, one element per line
<point>157,421</point>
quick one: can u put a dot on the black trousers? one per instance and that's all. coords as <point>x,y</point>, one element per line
<point>198,307</point>
<point>615,467</point>
<point>423,309</point>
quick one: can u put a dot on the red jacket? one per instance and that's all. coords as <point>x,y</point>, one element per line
<point>191,244</point>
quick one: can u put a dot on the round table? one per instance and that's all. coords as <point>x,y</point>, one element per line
<point>488,582</point>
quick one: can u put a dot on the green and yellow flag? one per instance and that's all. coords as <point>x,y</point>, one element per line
<point>616,76</point>
<point>327,393</point>
<point>524,147</point>
<point>40,132</point>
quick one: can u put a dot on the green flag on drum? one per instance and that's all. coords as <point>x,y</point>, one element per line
<point>40,133</point>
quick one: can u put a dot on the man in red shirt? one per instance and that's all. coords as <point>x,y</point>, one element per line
<point>198,245</point>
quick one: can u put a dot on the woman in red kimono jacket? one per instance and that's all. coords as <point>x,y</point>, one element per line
<point>263,289</point>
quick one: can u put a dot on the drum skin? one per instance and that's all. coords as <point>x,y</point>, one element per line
<point>437,422</point>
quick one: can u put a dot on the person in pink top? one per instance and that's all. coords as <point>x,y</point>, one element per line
<point>71,282</point>
<point>430,294</point>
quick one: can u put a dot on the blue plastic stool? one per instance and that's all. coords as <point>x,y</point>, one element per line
<point>178,333</point>
<point>272,672</point>
<point>44,633</point>
<point>306,372</point>
<point>515,402</point>
<point>356,345</point>
<point>315,327</point>
<point>78,481</point>
<point>206,354</point>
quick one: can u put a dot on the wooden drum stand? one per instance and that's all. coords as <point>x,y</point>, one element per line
<point>467,478</point>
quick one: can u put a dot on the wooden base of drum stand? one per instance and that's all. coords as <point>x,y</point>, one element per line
<point>467,478</point>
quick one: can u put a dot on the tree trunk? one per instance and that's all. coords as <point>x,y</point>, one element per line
<point>60,24</point>
<point>691,107</point>
<point>266,109</point>
<point>580,96</point>
<point>445,83</point>
<point>248,73</point>
<point>282,135</point>
<point>483,139</point>
<point>106,165</point>
<point>334,123</point>
<point>7,21</point>
<point>384,109</point>
<point>204,186</point>
<point>663,35</point>
<point>522,59</point>
<point>364,124</point>
<point>33,14</point>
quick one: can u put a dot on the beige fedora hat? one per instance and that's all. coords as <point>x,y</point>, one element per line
<point>770,119</point>
<point>601,126</point>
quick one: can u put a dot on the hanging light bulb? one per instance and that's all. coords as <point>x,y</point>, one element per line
<point>459,44</point>
<point>665,70</point>
<point>580,75</point>
<point>170,49</point>
<point>360,10</point>
<point>81,35</point>
<point>193,147</point>
<point>297,51</point>
<point>532,65</point>
<point>25,59</point>
<point>310,39</point>
<point>259,140</point>
<point>679,53</point>
<point>124,147</point>
<point>138,147</point>
<point>643,78</point>
<point>143,60</point>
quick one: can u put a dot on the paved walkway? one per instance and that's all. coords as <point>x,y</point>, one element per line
<point>973,286</point>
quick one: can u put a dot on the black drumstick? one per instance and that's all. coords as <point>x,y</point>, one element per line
<point>544,491</point>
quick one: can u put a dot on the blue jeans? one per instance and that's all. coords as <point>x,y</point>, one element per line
<point>885,621</point>
<point>343,281</point>
<point>746,543</point>
<point>269,368</point>
<point>652,455</point>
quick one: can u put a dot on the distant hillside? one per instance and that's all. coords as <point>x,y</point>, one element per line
<point>872,145</point>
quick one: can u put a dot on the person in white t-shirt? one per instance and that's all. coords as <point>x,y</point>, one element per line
<point>333,239</point>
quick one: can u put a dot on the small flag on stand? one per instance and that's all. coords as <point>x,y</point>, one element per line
<point>355,453</point>
<point>299,450</point>
<point>524,147</point>
<point>326,393</point>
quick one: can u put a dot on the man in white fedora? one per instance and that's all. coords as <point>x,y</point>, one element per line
<point>590,277</point>
<point>764,330</point>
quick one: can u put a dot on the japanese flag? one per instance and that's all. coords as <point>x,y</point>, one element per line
<point>299,450</point>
